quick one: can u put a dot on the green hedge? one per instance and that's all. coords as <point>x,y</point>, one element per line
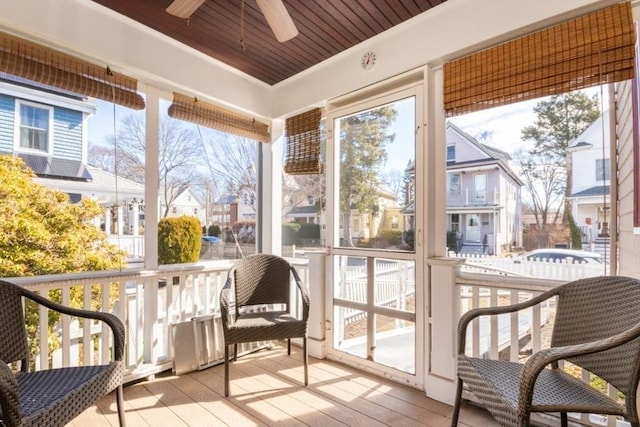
<point>289,232</point>
<point>179,240</point>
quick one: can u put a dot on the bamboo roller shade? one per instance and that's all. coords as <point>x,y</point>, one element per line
<point>192,110</point>
<point>592,49</point>
<point>40,64</point>
<point>303,143</point>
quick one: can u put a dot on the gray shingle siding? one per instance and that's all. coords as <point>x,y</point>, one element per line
<point>7,113</point>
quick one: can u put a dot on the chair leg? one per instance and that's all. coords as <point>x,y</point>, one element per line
<point>456,408</point>
<point>306,361</point>
<point>564,422</point>
<point>289,346</point>
<point>120,405</point>
<point>226,370</point>
<point>235,352</point>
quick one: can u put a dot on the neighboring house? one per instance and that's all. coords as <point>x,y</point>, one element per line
<point>483,195</point>
<point>230,209</point>
<point>590,200</point>
<point>368,224</point>
<point>47,128</point>
<point>185,204</point>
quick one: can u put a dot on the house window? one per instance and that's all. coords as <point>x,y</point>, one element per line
<point>480,186</point>
<point>454,183</point>
<point>35,126</point>
<point>451,153</point>
<point>602,170</point>
<point>195,211</point>
<point>455,223</point>
<point>310,200</point>
<point>174,210</point>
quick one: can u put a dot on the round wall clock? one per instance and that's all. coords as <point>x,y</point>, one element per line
<point>368,60</point>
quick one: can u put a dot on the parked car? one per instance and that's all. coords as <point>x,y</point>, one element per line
<point>560,255</point>
<point>210,239</point>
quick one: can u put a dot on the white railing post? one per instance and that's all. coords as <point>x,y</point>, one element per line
<point>316,338</point>
<point>150,319</point>
<point>444,306</point>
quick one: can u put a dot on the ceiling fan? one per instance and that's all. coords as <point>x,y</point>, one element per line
<point>274,12</point>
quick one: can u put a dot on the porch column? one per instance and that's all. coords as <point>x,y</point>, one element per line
<point>135,211</point>
<point>444,301</point>
<point>120,219</point>
<point>316,338</point>
<point>270,206</point>
<point>107,220</point>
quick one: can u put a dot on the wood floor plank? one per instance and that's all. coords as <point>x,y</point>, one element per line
<point>267,390</point>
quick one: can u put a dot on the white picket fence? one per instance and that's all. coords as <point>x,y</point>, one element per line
<point>394,283</point>
<point>517,266</point>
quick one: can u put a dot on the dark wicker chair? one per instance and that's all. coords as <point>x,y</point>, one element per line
<point>253,281</point>
<point>597,327</point>
<point>50,397</point>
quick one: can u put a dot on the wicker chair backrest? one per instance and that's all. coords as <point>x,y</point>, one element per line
<point>13,333</point>
<point>262,279</point>
<point>595,308</point>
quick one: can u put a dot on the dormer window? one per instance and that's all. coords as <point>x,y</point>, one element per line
<point>34,131</point>
<point>451,153</point>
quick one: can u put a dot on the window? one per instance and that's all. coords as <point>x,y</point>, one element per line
<point>454,183</point>
<point>602,169</point>
<point>35,126</point>
<point>451,153</point>
<point>174,210</point>
<point>480,186</point>
<point>310,200</point>
<point>455,223</point>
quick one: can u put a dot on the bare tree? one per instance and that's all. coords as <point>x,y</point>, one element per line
<point>179,155</point>
<point>232,162</point>
<point>544,180</point>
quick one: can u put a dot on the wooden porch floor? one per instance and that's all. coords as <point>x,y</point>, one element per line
<point>266,390</point>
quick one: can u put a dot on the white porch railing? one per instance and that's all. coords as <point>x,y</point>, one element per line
<point>516,335</point>
<point>148,303</point>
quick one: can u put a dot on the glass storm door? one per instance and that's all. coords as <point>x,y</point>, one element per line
<point>374,206</point>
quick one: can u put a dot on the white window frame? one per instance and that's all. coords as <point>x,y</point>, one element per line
<point>452,158</point>
<point>18,128</point>
<point>457,191</point>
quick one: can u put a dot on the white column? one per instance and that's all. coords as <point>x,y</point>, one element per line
<point>151,346</point>
<point>107,220</point>
<point>271,195</point>
<point>316,337</point>
<point>120,219</point>
<point>151,178</point>
<point>135,209</point>
<point>440,378</point>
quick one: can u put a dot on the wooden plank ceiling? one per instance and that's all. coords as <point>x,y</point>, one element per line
<point>326,27</point>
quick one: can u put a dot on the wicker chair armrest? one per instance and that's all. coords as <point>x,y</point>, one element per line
<point>304,293</point>
<point>538,361</point>
<point>467,317</point>
<point>116,325</point>
<point>9,397</point>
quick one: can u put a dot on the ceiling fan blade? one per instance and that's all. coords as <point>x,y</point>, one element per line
<point>278,19</point>
<point>183,8</point>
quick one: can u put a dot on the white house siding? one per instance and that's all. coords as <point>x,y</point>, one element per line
<point>629,243</point>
